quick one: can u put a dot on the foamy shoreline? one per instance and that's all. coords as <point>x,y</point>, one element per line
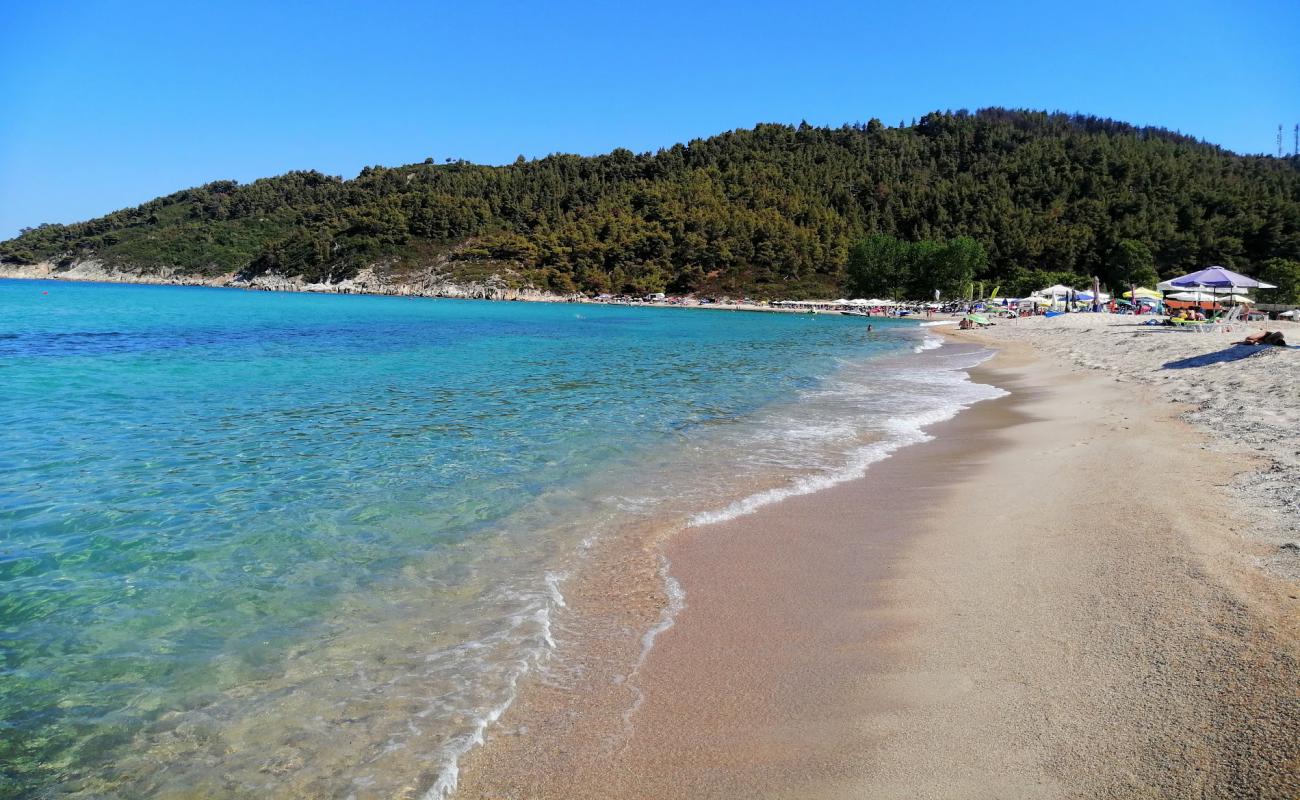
<point>966,620</point>
<point>612,703</point>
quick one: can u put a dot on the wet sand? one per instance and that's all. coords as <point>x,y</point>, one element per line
<point>1026,606</point>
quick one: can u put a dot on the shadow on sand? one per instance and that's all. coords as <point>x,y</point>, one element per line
<point>1234,353</point>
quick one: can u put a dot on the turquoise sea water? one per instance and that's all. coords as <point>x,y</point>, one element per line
<point>226,513</point>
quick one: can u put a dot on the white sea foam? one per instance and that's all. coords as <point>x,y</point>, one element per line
<point>676,603</point>
<point>928,343</point>
<point>553,581</point>
<point>530,659</point>
<point>940,390</point>
<point>449,777</point>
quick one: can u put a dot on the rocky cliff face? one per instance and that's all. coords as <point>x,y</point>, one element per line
<point>428,282</point>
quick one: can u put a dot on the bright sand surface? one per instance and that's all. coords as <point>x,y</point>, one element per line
<point>1070,592</point>
<point>1243,400</point>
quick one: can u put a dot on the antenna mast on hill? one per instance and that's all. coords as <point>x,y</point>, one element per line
<point>1295,147</point>
<point>1279,141</point>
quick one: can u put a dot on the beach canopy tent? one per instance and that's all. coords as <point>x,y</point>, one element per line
<point>1057,292</point>
<point>1037,301</point>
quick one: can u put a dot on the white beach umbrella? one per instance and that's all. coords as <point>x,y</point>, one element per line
<point>1194,297</point>
<point>1168,286</point>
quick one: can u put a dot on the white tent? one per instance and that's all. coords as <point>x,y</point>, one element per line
<point>1055,291</point>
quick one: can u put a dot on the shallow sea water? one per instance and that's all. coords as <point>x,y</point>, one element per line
<point>259,544</point>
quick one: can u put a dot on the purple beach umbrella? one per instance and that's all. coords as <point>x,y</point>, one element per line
<point>1216,278</point>
<point>1220,278</point>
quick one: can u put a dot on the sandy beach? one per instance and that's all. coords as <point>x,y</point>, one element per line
<point>1081,589</point>
<point>1242,399</point>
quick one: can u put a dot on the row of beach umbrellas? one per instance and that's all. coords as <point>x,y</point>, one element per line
<point>860,303</point>
<point>1208,297</point>
<point>1221,283</point>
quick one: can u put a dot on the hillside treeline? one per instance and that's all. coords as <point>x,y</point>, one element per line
<point>773,211</point>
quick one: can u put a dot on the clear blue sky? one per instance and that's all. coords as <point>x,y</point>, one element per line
<point>105,105</point>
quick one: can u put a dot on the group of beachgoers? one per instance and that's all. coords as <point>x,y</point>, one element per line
<point>1186,315</point>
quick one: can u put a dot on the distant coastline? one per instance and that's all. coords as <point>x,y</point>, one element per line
<point>366,283</point>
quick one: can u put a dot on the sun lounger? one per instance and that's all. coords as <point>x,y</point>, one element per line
<point>1188,324</point>
<point>1224,323</point>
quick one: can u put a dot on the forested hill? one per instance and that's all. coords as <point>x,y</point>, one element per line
<point>772,211</point>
